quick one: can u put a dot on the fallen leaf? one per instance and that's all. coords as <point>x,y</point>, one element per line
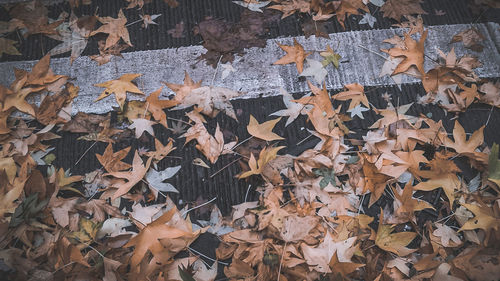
<point>413,54</point>
<point>132,177</point>
<point>115,28</point>
<point>349,7</point>
<point>396,9</point>
<point>293,109</point>
<point>156,106</point>
<point>356,93</point>
<point>446,233</point>
<point>119,87</point>
<point>142,125</point>
<point>156,179</point>
<point>393,242</point>
<point>330,56</point>
<point>471,38</point>
<point>256,166</point>
<point>315,69</point>
<point>264,130</point>
<point>211,100</point>
<point>318,258</point>
<point>7,47</point>
<point>253,5</point>
<point>295,54</point>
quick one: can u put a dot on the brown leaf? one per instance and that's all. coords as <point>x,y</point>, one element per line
<point>120,87</point>
<point>393,242</point>
<point>471,38</point>
<point>396,9</point>
<point>156,106</point>
<point>350,7</point>
<point>115,28</point>
<point>264,130</point>
<point>413,54</point>
<point>132,177</point>
<point>111,161</point>
<point>295,54</point>
<point>356,93</point>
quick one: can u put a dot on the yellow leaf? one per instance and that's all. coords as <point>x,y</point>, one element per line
<point>264,130</point>
<point>119,87</point>
<point>393,242</point>
<point>266,155</point>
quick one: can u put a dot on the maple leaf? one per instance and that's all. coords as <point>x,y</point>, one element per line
<point>256,166</point>
<point>396,9</point>
<point>374,181</point>
<point>293,109</point>
<point>358,111</point>
<point>149,237</point>
<point>460,144</point>
<point>181,91</point>
<point>368,19</point>
<point>111,161</point>
<point>7,47</point>
<point>471,38</point>
<point>210,146</point>
<point>295,54</point>
<point>343,268</point>
<point>160,150</point>
<point>142,125</point>
<point>115,28</point>
<point>16,95</point>
<point>211,100</point>
<point>312,27</point>
<point>252,5</point>
<point>155,179</point>
<point>356,93</point>
<point>491,93</point>
<point>448,181</point>
<point>316,70</point>
<point>349,7</point>
<point>484,218</point>
<point>132,177</point>
<point>263,131</point>
<point>405,205</point>
<point>75,37</point>
<point>9,193</point>
<point>34,18</point>
<point>393,242</point>
<point>105,55</point>
<point>290,7</point>
<point>119,87</point>
<point>413,54</point>
<point>446,233</point>
<point>319,258</point>
<point>330,57</point>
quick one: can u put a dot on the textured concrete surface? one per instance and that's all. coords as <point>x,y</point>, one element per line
<point>255,73</point>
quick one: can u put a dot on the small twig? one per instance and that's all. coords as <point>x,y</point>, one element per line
<point>134,22</point>
<point>489,116</point>
<point>207,257</point>
<point>284,248</point>
<point>363,47</point>
<point>153,188</point>
<point>68,264</point>
<point>246,194</point>
<point>216,70</point>
<point>212,175</point>
<point>199,206</point>
<point>306,138</point>
<point>242,142</point>
<point>179,120</point>
<point>86,151</point>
